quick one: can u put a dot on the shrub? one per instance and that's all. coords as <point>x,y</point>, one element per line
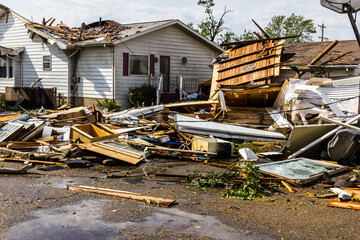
<point>110,104</point>
<point>144,95</point>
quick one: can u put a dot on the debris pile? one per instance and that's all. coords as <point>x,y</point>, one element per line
<point>252,115</point>
<point>104,30</point>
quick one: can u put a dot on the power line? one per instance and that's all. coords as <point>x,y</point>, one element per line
<point>322,26</point>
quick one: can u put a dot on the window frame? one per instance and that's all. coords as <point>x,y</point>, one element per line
<point>147,67</point>
<point>49,62</point>
<point>7,68</point>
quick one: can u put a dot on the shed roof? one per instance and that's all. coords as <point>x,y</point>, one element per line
<point>300,54</point>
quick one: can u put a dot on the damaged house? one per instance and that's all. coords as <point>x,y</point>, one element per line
<point>102,59</point>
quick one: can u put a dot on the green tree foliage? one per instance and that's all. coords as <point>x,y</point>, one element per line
<point>282,26</point>
<point>211,27</point>
<point>246,35</point>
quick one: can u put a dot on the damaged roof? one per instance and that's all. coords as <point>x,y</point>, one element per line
<point>300,54</point>
<point>106,32</point>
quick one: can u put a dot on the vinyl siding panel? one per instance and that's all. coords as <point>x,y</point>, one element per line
<point>170,41</point>
<point>95,72</point>
<point>14,34</point>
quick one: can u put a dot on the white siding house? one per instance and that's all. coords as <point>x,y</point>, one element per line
<point>86,70</point>
<point>27,65</point>
<point>172,42</point>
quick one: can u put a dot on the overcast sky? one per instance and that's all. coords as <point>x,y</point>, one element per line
<point>74,12</point>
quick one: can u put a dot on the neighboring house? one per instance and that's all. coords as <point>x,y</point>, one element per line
<point>342,61</point>
<point>103,59</point>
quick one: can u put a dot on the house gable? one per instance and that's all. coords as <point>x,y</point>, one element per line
<point>13,34</point>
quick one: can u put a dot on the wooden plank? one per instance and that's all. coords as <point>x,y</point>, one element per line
<point>247,72</point>
<point>349,205</point>
<point>32,161</point>
<point>253,91</point>
<point>288,187</point>
<point>262,30</point>
<point>335,58</point>
<point>252,53</point>
<point>324,52</point>
<point>321,55</point>
<point>163,202</point>
<point>113,153</point>
<point>10,117</point>
<point>192,103</point>
<point>245,63</point>
<point>214,84</point>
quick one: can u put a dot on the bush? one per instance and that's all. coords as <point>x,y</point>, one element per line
<point>144,95</point>
<point>110,104</point>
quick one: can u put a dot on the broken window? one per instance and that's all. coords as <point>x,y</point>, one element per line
<point>47,62</point>
<point>6,67</point>
<point>139,64</point>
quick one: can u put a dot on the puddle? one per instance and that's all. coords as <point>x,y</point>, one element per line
<point>62,223</point>
<point>183,222</point>
<point>57,182</point>
<point>83,221</point>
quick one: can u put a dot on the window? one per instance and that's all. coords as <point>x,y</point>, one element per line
<point>139,64</point>
<point>47,62</point>
<point>6,67</point>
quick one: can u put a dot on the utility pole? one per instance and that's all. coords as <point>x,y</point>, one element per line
<point>322,26</point>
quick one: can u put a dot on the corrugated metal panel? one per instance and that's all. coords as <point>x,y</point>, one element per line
<point>14,34</point>
<point>177,45</point>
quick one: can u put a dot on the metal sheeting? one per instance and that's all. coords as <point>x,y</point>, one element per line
<point>199,126</point>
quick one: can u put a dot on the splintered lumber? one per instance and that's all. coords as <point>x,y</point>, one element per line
<point>162,202</point>
<point>192,103</point>
<point>350,205</point>
<point>116,150</point>
<point>321,55</point>
<point>330,195</point>
<point>10,117</point>
<point>324,52</point>
<point>288,187</point>
<point>32,161</point>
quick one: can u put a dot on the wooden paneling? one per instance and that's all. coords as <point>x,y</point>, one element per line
<point>252,63</point>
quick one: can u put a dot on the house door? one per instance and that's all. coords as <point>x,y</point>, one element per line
<point>165,71</point>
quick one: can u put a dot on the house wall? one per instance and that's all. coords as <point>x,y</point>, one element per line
<point>170,41</point>
<point>94,74</point>
<point>14,34</point>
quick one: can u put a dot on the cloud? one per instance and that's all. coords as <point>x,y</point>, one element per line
<point>74,12</point>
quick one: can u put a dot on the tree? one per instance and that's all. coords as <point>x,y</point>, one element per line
<point>282,26</point>
<point>228,36</point>
<point>247,35</point>
<point>211,27</point>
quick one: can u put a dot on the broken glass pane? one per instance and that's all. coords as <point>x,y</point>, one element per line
<point>300,168</point>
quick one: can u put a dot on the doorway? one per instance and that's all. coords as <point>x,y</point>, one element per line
<point>165,71</point>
